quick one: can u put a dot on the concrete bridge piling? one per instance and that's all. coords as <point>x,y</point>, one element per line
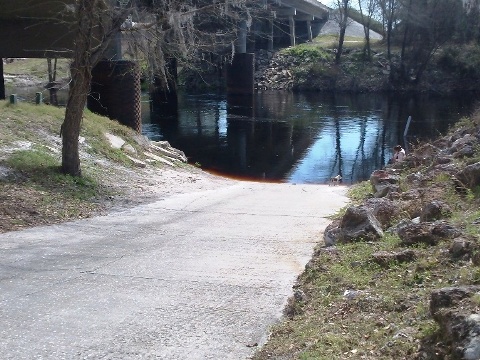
<point>115,92</point>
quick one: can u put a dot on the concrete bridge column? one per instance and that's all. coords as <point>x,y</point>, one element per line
<point>241,70</point>
<point>291,23</point>
<point>270,32</point>
<point>241,43</point>
<point>2,81</point>
<point>309,30</point>
<point>115,92</point>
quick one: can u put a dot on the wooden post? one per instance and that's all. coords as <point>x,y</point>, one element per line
<point>38,98</point>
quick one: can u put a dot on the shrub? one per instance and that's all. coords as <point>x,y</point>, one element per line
<point>465,61</point>
<point>306,51</point>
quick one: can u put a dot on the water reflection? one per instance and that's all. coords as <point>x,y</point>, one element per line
<point>299,138</point>
<point>292,137</point>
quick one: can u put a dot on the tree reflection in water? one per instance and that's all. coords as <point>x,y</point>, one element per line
<point>300,137</point>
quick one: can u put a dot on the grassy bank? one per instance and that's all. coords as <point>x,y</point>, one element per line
<point>32,189</point>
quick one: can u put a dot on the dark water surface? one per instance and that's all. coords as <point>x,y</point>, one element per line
<point>295,137</point>
<point>300,137</point>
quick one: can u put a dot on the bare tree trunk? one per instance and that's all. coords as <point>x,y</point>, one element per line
<point>341,40</point>
<point>366,21</point>
<point>81,69</point>
<point>343,6</point>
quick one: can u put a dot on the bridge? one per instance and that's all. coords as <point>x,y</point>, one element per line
<point>45,28</point>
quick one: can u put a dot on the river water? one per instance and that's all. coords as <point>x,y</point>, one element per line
<point>300,137</point>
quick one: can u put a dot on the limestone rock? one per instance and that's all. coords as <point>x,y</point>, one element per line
<point>445,230</point>
<point>137,163</point>
<point>470,175</point>
<point>384,210</point>
<point>385,189</point>
<point>115,141</point>
<point>385,258</point>
<point>383,176</point>
<point>164,148</point>
<point>459,144</point>
<point>129,149</point>
<point>453,309</point>
<point>450,296</point>
<point>331,233</point>
<point>359,224</point>
<point>461,247</point>
<point>435,210</point>
<point>413,234</point>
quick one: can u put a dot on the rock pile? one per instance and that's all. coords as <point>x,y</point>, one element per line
<point>413,207</point>
<point>272,70</point>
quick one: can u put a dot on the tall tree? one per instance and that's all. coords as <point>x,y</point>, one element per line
<point>426,25</point>
<point>96,23</point>
<point>168,29</point>
<point>367,9</point>
<point>389,18</point>
<point>341,16</point>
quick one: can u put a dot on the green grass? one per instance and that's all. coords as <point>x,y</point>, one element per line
<point>309,52</point>
<point>36,67</point>
<point>25,121</point>
<point>331,41</point>
<point>42,170</point>
<point>360,191</point>
<point>35,191</point>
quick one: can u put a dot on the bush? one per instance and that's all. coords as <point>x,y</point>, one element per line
<point>464,61</point>
<point>305,51</point>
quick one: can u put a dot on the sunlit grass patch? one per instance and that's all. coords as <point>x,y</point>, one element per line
<point>42,170</point>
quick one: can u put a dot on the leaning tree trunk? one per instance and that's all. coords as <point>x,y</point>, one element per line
<point>81,69</point>
<point>77,99</point>
<point>343,22</point>
<point>341,40</point>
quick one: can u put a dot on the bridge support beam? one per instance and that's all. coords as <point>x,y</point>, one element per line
<point>309,30</point>
<point>270,33</point>
<point>241,43</point>
<point>291,23</point>
<point>240,74</point>
<point>241,70</point>
<point>115,92</point>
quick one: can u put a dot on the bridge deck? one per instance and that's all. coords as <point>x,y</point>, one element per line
<point>42,28</point>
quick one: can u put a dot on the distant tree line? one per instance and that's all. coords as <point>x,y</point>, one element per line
<point>415,29</point>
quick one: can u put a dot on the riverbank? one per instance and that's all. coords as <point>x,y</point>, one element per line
<point>190,285</point>
<point>120,169</point>
<point>397,273</point>
<point>311,67</point>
